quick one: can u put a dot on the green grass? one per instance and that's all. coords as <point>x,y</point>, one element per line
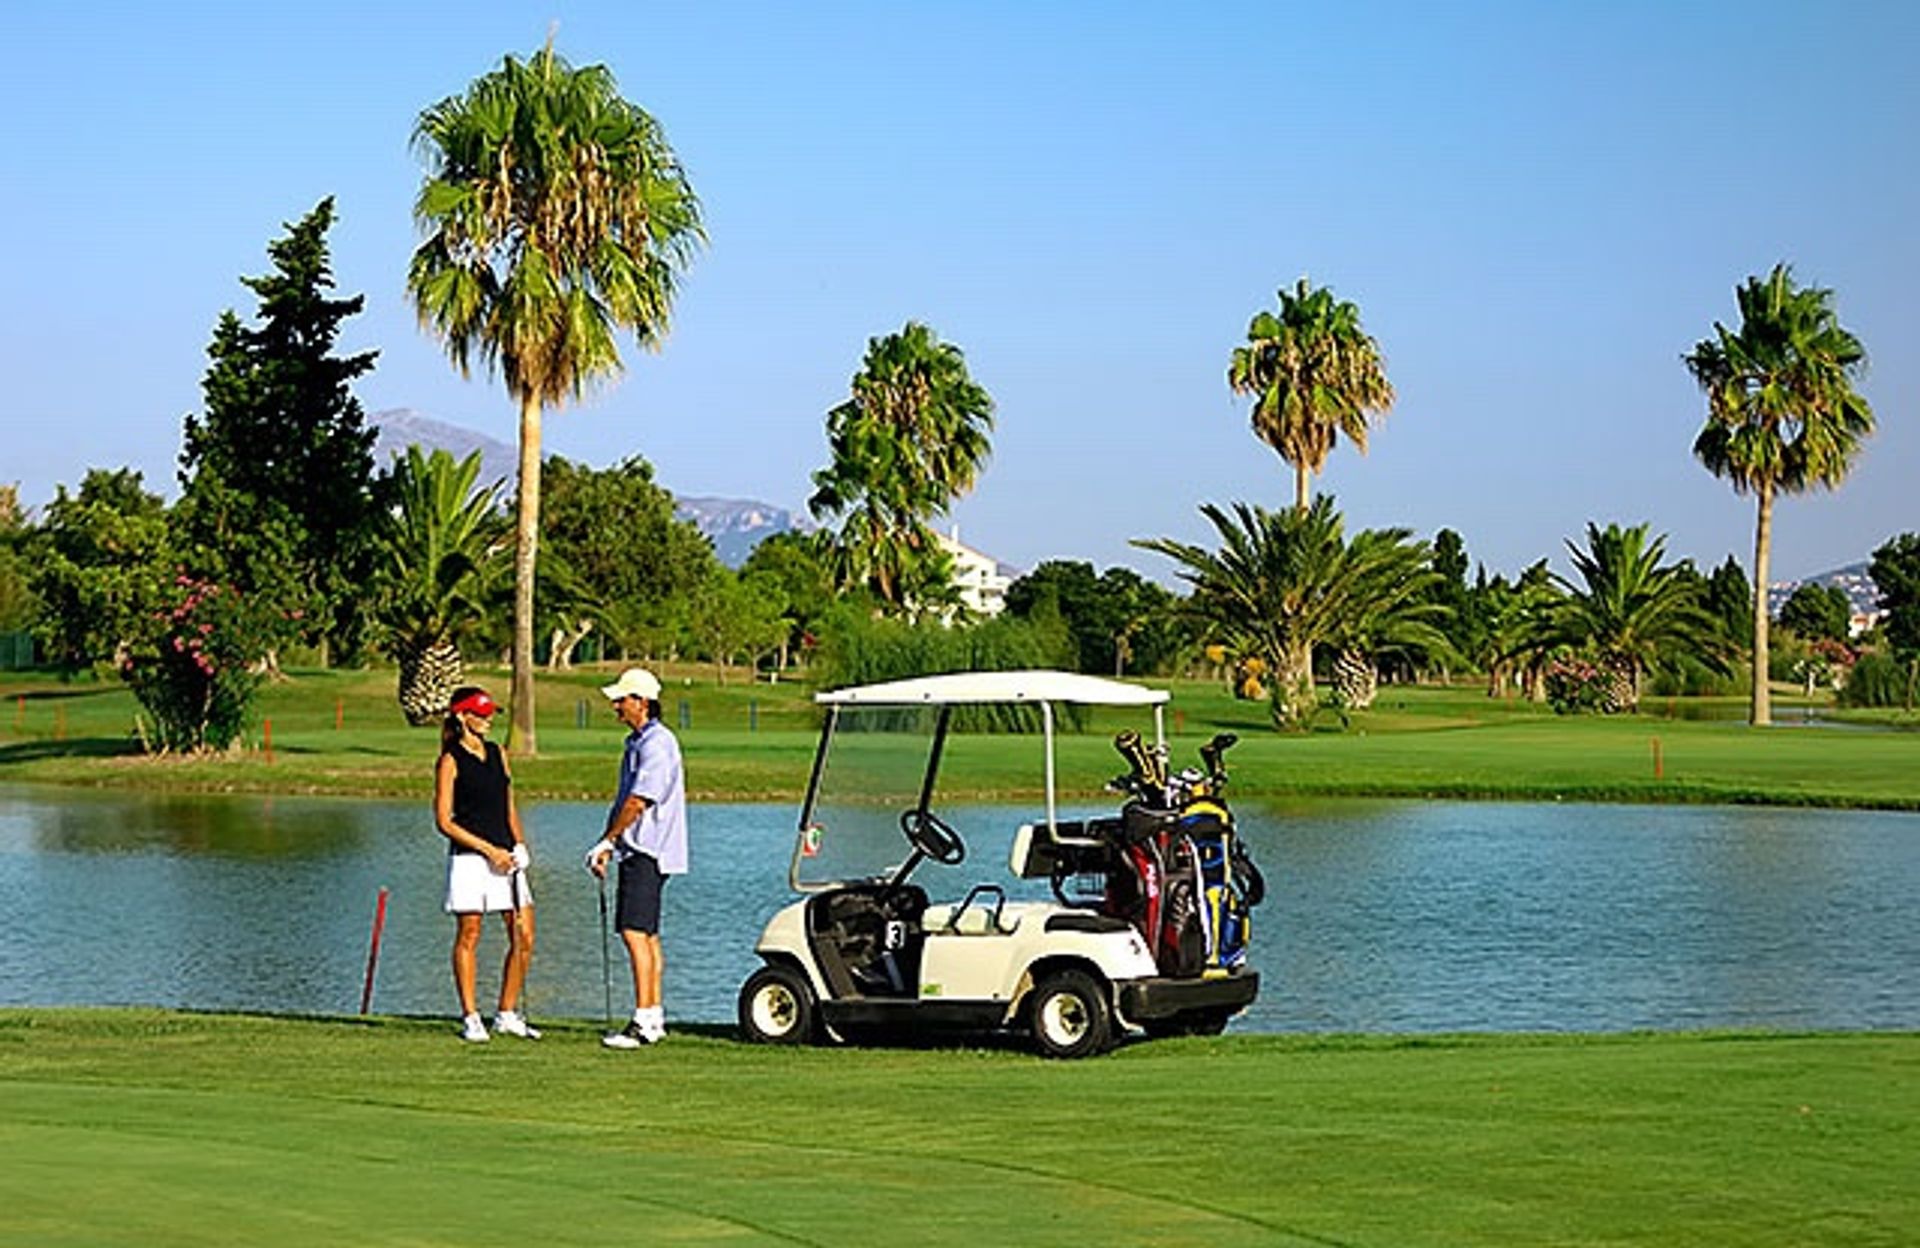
<point>163,1128</point>
<point>750,742</point>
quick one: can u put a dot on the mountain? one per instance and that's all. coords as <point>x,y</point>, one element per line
<point>401,427</point>
<point>1852,580</point>
<point>737,525</point>
<point>734,525</point>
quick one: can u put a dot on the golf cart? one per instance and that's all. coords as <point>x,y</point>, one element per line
<point>1111,922</point>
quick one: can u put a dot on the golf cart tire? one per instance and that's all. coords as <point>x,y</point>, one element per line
<point>777,1007</point>
<point>1069,1016</point>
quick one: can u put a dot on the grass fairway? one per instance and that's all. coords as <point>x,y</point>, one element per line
<point>339,732</point>
<point>162,1128</point>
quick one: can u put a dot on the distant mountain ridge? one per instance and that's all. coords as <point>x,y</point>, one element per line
<point>398,428</point>
<point>1853,580</point>
<point>734,525</point>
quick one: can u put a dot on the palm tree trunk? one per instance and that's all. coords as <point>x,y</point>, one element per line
<point>1762,706</point>
<point>1302,485</point>
<point>526,547</point>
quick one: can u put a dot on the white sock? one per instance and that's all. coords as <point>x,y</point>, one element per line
<point>639,1018</point>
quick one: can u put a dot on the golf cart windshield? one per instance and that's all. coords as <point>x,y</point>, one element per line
<point>875,795</point>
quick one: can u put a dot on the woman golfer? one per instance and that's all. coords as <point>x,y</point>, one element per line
<point>486,858</point>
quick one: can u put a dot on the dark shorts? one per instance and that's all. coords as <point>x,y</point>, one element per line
<point>638,908</point>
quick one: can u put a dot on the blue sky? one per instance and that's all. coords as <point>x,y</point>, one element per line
<point>1538,208</point>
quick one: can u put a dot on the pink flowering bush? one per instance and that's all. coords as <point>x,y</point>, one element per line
<point>1575,686</point>
<point>194,673</point>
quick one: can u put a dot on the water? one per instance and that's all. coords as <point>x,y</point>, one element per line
<point>1397,916</point>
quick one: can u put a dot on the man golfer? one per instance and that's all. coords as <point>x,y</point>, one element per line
<point>647,829</point>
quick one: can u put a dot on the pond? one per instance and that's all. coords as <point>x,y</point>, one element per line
<point>1381,916</point>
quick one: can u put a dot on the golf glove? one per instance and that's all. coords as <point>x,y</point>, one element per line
<point>522,858</point>
<point>596,850</point>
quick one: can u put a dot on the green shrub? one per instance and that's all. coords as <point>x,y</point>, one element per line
<point>1575,686</point>
<point>1686,677</point>
<point>1876,680</point>
<point>856,649</point>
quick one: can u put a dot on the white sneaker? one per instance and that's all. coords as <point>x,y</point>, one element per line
<point>629,1037</point>
<point>510,1023</point>
<point>473,1031</point>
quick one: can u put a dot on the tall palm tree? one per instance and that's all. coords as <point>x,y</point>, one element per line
<point>1630,610</point>
<point>437,547</point>
<point>911,437</point>
<point>1782,415</point>
<point>1315,375</point>
<point>556,215</point>
<point>1286,581</point>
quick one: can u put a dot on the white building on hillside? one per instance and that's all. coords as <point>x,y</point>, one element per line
<point>981,579</point>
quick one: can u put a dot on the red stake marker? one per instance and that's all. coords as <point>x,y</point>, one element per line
<point>373,950</point>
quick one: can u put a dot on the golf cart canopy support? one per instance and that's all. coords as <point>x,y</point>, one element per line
<point>1038,687</point>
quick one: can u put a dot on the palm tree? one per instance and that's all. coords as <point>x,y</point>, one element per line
<point>1390,612</point>
<point>1630,610</point>
<point>1284,582</point>
<point>911,437</point>
<point>436,548</point>
<point>1519,639</point>
<point>1315,375</point>
<point>556,215</point>
<point>1782,415</point>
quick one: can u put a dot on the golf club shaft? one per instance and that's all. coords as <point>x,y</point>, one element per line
<point>606,966</point>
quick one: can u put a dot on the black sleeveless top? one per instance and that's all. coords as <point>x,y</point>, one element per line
<point>480,797</point>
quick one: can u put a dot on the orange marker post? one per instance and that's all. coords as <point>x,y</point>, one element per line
<point>266,726</point>
<point>1659,768</point>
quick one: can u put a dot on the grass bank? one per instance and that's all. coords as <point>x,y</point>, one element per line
<point>338,732</point>
<point>172,1128</point>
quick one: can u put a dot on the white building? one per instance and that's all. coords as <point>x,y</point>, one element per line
<point>981,579</point>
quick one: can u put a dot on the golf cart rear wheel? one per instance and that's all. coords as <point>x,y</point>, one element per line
<point>776,1007</point>
<point>1069,1016</point>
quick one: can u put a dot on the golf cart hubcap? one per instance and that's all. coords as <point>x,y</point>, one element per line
<point>775,1010</point>
<point>1065,1018</point>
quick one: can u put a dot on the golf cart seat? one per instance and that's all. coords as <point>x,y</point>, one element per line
<point>972,921</point>
<point>983,912</point>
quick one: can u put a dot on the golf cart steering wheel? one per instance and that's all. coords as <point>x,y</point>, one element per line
<point>929,834</point>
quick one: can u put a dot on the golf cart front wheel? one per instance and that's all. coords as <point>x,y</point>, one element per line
<point>1069,1016</point>
<point>776,1007</point>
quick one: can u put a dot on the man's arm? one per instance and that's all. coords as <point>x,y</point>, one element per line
<point>623,817</point>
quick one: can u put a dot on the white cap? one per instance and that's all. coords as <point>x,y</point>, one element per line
<point>635,682</point>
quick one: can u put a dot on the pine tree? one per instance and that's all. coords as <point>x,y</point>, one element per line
<point>283,445</point>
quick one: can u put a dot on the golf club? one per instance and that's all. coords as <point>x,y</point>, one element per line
<point>519,883</point>
<point>606,967</point>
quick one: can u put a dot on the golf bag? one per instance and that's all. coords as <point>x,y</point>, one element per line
<point>1176,870</point>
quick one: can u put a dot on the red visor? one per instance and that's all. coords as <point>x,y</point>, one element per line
<point>477,703</point>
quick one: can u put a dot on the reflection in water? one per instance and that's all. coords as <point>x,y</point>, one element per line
<point>1381,916</point>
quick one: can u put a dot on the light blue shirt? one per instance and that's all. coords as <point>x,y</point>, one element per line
<point>650,770</point>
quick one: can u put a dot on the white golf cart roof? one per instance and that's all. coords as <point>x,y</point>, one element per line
<point>974,687</point>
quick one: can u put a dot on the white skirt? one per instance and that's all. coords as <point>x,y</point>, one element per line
<point>474,887</point>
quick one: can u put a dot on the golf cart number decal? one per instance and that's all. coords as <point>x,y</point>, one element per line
<point>810,841</point>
